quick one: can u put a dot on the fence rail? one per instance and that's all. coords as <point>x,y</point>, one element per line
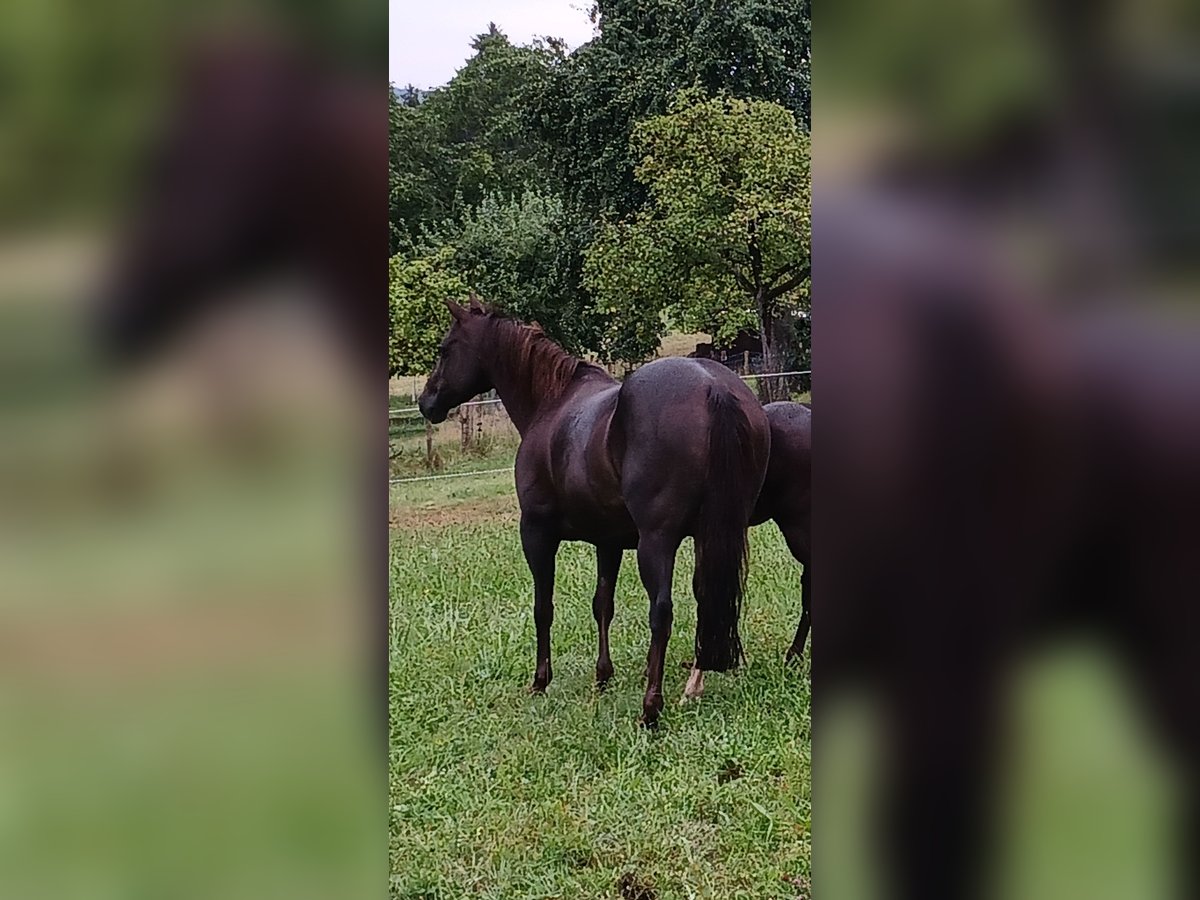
<point>400,413</point>
<point>448,475</point>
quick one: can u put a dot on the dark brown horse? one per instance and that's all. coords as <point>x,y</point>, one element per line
<point>999,474</point>
<point>679,448</point>
<point>268,164</point>
<point>786,497</point>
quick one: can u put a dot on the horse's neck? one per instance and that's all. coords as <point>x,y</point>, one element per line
<point>519,398</point>
<point>523,399</point>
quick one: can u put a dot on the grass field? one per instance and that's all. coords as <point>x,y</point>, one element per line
<point>499,794</point>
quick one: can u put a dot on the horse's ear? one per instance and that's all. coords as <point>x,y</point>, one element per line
<point>456,310</point>
<point>477,306</point>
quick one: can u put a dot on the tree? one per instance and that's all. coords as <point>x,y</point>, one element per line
<point>724,240</point>
<point>451,147</point>
<point>516,164</point>
<point>645,52</point>
<point>418,287</point>
<point>519,254</point>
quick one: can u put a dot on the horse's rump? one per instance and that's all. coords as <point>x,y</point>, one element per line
<point>694,444</point>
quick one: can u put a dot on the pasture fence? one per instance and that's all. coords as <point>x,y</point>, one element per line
<point>484,425</point>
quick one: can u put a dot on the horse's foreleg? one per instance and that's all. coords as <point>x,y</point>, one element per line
<point>608,564</point>
<point>656,565</point>
<point>540,544</point>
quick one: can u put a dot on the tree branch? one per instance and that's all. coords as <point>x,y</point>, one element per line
<point>791,284</point>
<point>735,271</point>
<point>756,260</point>
<point>786,270</point>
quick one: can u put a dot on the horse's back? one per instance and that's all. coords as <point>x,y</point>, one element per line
<point>787,489</point>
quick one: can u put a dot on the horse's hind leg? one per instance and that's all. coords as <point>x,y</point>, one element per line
<point>796,534</point>
<point>656,565</point>
<point>608,564</point>
<point>540,544</point>
<point>797,648</point>
<point>695,683</point>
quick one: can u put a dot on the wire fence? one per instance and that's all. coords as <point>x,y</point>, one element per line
<point>408,411</point>
<point>401,413</point>
<point>449,475</point>
<point>480,421</point>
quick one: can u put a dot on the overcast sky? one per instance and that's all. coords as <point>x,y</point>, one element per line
<point>429,40</point>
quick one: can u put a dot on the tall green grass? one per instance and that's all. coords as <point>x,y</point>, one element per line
<point>498,794</point>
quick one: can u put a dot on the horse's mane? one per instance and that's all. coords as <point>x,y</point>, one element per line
<point>527,351</point>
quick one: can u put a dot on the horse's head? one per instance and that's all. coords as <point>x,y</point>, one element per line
<point>460,372</point>
<point>213,206</point>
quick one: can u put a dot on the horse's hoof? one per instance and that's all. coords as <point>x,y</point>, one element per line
<point>604,674</point>
<point>651,707</point>
<point>537,688</point>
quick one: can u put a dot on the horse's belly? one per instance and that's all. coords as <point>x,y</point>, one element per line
<point>601,530</point>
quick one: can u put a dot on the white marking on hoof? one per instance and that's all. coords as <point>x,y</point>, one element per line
<point>694,687</point>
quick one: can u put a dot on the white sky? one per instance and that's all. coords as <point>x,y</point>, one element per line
<point>429,40</point>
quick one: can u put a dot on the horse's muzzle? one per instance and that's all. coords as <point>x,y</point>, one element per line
<point>430,409</point>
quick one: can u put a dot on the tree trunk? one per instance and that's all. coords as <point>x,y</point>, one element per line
<point>769,389</point>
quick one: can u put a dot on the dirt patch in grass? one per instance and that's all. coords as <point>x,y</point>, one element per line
<point>731,771</point>
<point>489,509</point>
<point>633,887</point>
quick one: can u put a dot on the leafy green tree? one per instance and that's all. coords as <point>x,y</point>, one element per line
<point>418,287</point>
<point>514,167</point>
<point>451,147</point>
<point>644,53</point>
<point>724,240</point>
<point>519,254</point>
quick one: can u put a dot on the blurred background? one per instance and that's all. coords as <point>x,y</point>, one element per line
<point>1005,254</point>
<point>186,670</point>
<point>1005,246</point>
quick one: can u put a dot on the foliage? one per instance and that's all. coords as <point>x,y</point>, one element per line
<point>518,254</point>
<point>724,240</point>
<point>525,158</point>
<point>645,52</point>
<point>418,285</point>
<point>453,146</point>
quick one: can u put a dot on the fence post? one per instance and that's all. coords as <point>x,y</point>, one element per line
<point>428,444</point>
<point>745,362</point>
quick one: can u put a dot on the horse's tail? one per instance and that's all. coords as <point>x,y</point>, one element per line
<point>721,546</point>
